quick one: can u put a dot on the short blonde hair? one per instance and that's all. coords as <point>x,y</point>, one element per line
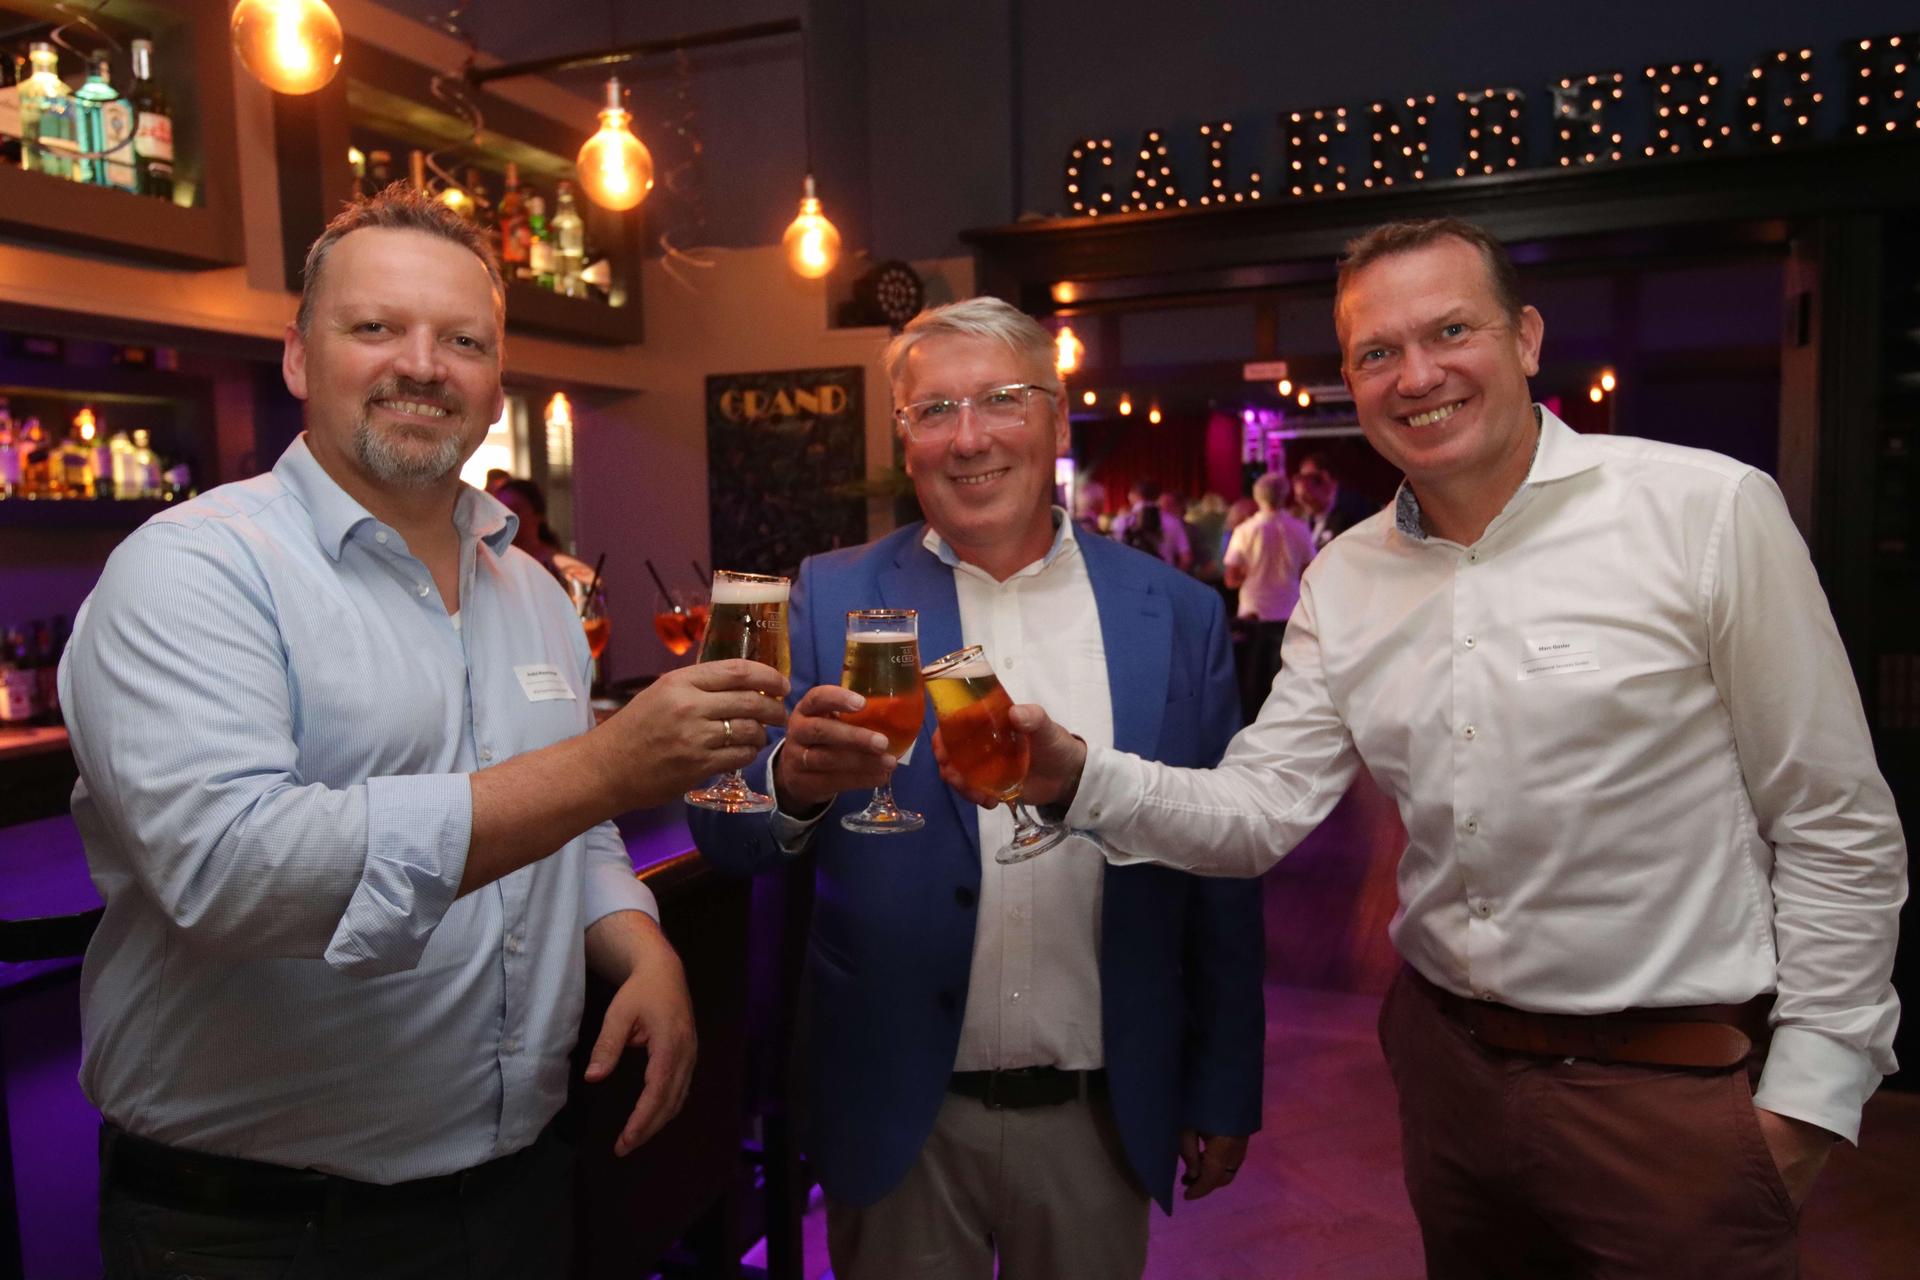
<point>981,317</point>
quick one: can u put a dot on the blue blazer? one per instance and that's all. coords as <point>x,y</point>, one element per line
<point>890,952</point>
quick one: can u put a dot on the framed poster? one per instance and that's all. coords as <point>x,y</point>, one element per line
<point>786,453</point>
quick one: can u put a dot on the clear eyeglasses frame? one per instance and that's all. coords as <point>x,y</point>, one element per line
<point>997,408</point>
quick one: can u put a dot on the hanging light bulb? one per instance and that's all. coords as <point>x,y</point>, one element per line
<point>614,167</point>
<point>1067,350</point>
<point>1089,399</point>
<point>1286,386</point>
<point>291,46</point>
<point>812,243</point>
<point>1153,415</point>
<point>1306,398</point>
<point>1607,381</point>
<point>559,411</point>
<point>1126,404</point>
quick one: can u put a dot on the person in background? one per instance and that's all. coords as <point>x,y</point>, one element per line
<point>1651,890</point>
<point>535,536</point>
<point>1327,509</point>
<point>1090,507</point>
<point>1006,1061</point>
<point>1205,521</point>
<point>1264,561</point>
<point>341,790</point>
<point>1144,526</point>
<point>496,477</point>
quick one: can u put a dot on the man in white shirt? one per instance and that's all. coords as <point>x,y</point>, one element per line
<point>1265,558</point>
<point>1646,831</point>
<point>1005,1062</point>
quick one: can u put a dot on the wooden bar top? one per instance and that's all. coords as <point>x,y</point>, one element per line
<point>32,741</point>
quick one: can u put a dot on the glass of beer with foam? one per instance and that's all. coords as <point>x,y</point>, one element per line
<point>749,620</point>
<point>976,727</point>
<point>883,666</point>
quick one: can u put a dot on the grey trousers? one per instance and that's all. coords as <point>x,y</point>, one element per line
<point>1046,1189</point>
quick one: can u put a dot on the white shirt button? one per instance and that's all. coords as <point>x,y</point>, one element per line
<point>486,755</point>
<point>1009,663</point>
<point>381,537</point>
<point>513,943</point>
<point>422,589</point>
<point>1473,557</point>
<point>1094,813</point>
<point>1483,908</point>
<point>1469,642</point>
<point>509,1045</point>
<point>1469,733</point>
<point>1471,826</point>
<point>1013,995</point>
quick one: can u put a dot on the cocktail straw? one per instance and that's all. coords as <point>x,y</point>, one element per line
<point>664,593</point>
<point>700,573</point>
<point>593,586</point>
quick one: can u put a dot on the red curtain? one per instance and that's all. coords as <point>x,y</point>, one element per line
<point>1190,455</point>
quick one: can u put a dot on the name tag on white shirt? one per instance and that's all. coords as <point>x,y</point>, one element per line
<point>544,683</point>
<point>1560,654</point>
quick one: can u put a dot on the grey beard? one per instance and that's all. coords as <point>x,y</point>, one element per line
<point>396,465</point>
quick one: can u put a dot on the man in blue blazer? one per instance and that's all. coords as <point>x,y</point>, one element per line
<point>1006,1060</point>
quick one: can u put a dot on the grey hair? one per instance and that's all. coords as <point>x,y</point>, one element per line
<point>1270,490</point>
<point>981,317</point>
<point>398,208</point>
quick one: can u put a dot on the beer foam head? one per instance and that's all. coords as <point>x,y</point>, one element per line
<point>882,637</point>
<point>968,664</point>
<point>733,591</point>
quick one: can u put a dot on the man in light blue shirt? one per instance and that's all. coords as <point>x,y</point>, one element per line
<point>343,797</point>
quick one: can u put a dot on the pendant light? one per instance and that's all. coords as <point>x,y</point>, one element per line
<point>291,46</point>
<point>615,168</point>
<point>812,243</point>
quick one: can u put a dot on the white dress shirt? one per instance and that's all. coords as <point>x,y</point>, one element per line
<point>1274,549</point>
<point>1033,997</point>
<point>1626,744</point>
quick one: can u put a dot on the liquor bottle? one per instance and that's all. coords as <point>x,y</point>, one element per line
<point>479,199</point>
<point>19,687</point>
<point>379,172</point>
<point>31,438</point>
<point>539,243</point>
<point>11,74</point>
<point>152,127</point>
<point>124,466</point>
<point>570,244</point>
<point>146,467</point>
<point>105,122</point>
<point>513,225</point>
<point>70,466</point>
<point>45,665</point>
<point>9,453</point>
<point>49,134</point>
<point>417,170</point>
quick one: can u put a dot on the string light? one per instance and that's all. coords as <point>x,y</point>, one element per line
<point>1126,404</point>
<point>1595,394</point>
<point>1089,399</point>
<point>291,46</point>
<point>1399,144</point>
<point>1607,381</point>
<point>1305,398</point>
<point>1153,415</point>
<point>1285,386</point>
<point>614,167</point>
<point>1065,293</point>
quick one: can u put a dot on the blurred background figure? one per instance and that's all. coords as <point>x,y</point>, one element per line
<point>1265,558</point>
<point>535,536</point>
<point>1319,501</point>
<point>1145,527</point>
<point>497,476</point>
<point>1090,507</point>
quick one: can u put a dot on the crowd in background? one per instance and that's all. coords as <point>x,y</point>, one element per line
<point>1252,550</point>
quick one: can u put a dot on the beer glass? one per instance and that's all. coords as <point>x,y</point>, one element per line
<point>749,620</point>
<point>883,666</point>
<point>976,727</point>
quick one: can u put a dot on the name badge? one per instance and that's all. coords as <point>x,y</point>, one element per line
<point>1559,654</point>
<point>544,683</point>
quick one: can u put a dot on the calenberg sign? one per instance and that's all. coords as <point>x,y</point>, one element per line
<point>1864,89</point>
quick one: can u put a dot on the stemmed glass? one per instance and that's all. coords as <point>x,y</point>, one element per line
<point>749,621</point>
<point>590,604</point>
<point>673,622</point>
<point>883,666</point>
<point>976,727</point>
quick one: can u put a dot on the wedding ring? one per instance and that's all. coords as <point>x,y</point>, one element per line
<point>727,727</point>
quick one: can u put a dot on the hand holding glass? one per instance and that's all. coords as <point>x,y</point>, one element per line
<point>982,745</point>
<point>883,666</point>
<point>749,620</point>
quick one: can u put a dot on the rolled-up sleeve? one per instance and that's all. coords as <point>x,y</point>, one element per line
<point>611,884</point>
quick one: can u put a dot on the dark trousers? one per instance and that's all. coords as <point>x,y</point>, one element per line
<point>1260,663</point>
<point>510,1219</point>
<point>1521,1167</point>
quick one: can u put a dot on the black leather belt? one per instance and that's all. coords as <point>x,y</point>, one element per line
<point>1028,1086</point>
<point>224,1184</point>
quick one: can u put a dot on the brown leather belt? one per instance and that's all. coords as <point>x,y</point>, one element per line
<point>1700,1035</point>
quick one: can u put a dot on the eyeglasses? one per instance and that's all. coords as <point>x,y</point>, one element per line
<point>996,408</point>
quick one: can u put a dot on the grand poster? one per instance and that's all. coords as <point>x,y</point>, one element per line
<point>786,455</point>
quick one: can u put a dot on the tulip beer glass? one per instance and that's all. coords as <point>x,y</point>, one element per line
<point>883,666</point>
<point>749,620</point>
<point>982,745</point>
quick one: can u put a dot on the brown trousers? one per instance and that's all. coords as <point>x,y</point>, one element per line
<point>1529,1167</point>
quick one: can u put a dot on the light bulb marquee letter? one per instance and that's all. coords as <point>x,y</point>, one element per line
<point>1492,141</point>
<point>1584,128</point>
<point>1399,150</point>
<point>1090,178</point>
<point>1154,186</point>
<point>1779,99</point>
<point>1216,182</point>
<point>1310,165</point>
<point>1881,86</point>
<point>1683,109</point>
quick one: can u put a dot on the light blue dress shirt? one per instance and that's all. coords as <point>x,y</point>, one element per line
<point>274,717</point>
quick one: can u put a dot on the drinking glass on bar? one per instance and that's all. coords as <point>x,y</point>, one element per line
<point>673,623</point>
<point>749,620</point>
<point>883,666</point>
<point>976,727</point>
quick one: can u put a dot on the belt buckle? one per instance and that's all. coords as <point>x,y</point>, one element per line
<point>991,1098</point>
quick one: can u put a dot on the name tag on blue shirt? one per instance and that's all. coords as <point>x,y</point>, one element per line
<point>544,683</point>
